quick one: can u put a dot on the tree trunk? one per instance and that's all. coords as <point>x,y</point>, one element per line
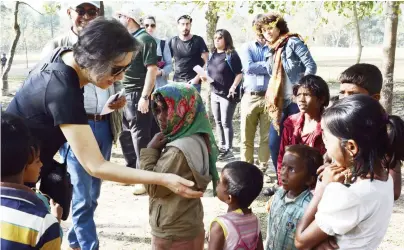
<point>51,25</point>
<point>389,53</point>
<point>358,34</point>
<point>212,18</point>
<point>102,12</point>
<point>12,50</point>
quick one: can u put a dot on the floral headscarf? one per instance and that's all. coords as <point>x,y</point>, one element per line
<point>187,116</point>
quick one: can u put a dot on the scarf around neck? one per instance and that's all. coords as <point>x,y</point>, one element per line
<point>275,93</point>
<point>187,116</point>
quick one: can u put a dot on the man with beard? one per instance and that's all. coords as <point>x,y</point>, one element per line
<point>138,125</point>
<point>188,51</point>
<point>106,128</point>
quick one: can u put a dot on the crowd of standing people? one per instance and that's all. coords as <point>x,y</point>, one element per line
<point>337,160</point>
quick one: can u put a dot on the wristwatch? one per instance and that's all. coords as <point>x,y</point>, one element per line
<point>146,97</point>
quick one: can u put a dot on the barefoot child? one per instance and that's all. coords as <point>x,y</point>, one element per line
<point>240,183</point>
<point>354,200</point>
<point>191,152</point>
<point>298,175</point>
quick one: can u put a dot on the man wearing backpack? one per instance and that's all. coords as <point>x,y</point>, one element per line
<point>188,51</point>
<point>138,125</point>
<point>164,63</point>
<point>106,128</point>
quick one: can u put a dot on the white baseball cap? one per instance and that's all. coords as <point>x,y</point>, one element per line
<point>78,3</point>
<point>131,12</point>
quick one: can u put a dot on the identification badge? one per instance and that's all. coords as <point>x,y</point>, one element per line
<point>260,80</point>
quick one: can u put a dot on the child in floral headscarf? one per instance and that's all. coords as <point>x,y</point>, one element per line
<point>185,146</point>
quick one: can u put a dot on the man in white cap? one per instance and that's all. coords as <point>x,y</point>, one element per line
<point>80,13</point>
<point>106,128</point>
<point>138,125</point>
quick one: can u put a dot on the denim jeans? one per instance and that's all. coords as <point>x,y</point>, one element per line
<point>223,112</point>
<point>86,190</point>
<point>274,138</point>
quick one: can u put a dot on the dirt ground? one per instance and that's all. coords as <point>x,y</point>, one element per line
<point>122,218</point>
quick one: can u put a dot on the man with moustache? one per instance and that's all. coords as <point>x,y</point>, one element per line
<point>106,128</point>
<point>188,51</point>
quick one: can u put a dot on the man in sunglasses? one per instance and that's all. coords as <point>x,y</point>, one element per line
<point>138,125</point>
<point>106,129</point>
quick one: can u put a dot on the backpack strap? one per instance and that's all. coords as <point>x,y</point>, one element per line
<point>162,45</point>
<point>228,60</point>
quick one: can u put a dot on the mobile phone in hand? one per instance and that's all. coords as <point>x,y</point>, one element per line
<point>119,95</point>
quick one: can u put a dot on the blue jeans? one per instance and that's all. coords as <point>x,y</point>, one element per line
<point>86,190</point>
<point>274,138</point>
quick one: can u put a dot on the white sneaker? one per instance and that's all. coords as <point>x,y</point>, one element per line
<point>139,189</point>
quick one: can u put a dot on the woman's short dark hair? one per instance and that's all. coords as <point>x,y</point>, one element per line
<point>149,17</point>
<point>379,136</point>
<point>96,51</point>
<point>228,40</point>
<point>317,86</point>
<point>244,182</point>
<point>16,142</point>
<point>267,19</point>
<point>364,75</point>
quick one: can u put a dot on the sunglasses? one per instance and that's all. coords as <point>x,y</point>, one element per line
<point>89,12</point>
<point>218,38</point>
<point>150,25</point>
<point>115,71</point>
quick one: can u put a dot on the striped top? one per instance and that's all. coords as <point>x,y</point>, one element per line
<point>241,231</point>
<point>25,222</point>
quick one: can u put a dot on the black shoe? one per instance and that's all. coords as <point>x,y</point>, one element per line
<point>269,191</point>
<point>226,155</point>
<point>222,151</point>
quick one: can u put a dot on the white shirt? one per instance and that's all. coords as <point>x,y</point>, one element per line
<point>357,216</point>
<point>95,98</point>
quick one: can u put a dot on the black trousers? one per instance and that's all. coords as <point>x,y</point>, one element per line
<point>137,129</point>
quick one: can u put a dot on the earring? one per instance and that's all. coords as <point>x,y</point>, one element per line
<point>348,174</point>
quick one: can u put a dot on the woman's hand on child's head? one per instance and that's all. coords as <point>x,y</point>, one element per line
<point>332,173</point>
<point>181,186</point>
<point>158,142</point>
<point>56,209</point>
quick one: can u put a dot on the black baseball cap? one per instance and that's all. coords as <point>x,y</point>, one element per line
<point>188,17</point>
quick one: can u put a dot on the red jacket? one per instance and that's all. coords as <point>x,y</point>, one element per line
<point>291,135</point>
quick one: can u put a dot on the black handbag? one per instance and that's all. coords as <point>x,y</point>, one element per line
<point>56,183</point>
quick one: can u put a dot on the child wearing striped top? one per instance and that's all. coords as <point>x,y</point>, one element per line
<point>25,221</point>
<point>240,184</point>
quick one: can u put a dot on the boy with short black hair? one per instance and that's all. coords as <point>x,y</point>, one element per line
<point>25,221</point>
<point>286,208</point>
<point>240,184</point>
<point>361,78</point>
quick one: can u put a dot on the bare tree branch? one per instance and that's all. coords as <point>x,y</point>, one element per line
<point>31,7</point>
